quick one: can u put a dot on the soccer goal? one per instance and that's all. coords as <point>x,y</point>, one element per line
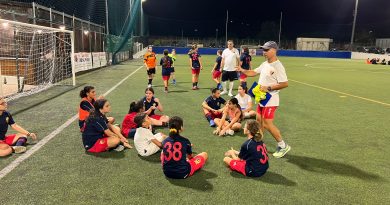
<point>34,58</point>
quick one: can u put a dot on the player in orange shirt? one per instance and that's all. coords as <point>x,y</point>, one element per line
<point>150,64</point>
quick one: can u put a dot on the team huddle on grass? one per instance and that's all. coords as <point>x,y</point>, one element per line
<point>100,133</point>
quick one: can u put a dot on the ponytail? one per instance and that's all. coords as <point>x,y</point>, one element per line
<point>254,129</point>
<point>175,125</point>
<point>85,90</point>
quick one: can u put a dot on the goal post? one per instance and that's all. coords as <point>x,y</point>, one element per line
<point>34,58</point>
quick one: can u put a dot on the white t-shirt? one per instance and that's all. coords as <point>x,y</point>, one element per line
<point>231,58</point>
<point>272,74</point>
<point>243,101</point>
<point>143,141</point>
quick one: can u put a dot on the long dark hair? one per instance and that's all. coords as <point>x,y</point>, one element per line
<point>85,90</point>
<point>149,89</point>
<point>135,106</point>
<point>234,101</point>
<point>255,129</point>
<point>175,125</point>
<point>95,112</point>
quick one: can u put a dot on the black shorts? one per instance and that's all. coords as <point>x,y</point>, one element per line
<point>229,75</point>
<point>151,71</point>
<point>173,69</point>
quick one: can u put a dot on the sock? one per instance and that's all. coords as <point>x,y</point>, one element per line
<point>193,84</point>
<point>21,141</point>
<point>196,84</point>
<point>282,144</point>
<point>231,85</point>
<point>208,117</point>
<point>243,84</point>
<point>166,88</point>
<point>224,86</point>
<point>150,81</point>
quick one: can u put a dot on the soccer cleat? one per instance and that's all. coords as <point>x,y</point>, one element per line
<point>19,149</point>
<point>119,148</point>
<point>280,152</point>
<point>223,92</point>
<point>194,88</point>
<point>230,95</point>
<point>174,81</point>
<point>219,87</point>
<point>229,132</point>
<point>212,123</point>
<point>166,91</point>
<point>149,85</point>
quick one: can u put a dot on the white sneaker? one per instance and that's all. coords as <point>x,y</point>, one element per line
<point>229,132</point>
<point>223,92</point>
<point>119,148</point>
<point>230,94</point>
<point>149,85</point>
<point>19,149</point>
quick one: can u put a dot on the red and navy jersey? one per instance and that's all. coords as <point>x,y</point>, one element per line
<point>5,120</point>
<point>147,104</point>
<point>245,58</point>
<point>195,60</point>
<point>166,62</point>
<point>215,103</point>
<point>94,130</point>
<point>256,157</point>
<point>174,157</point>
<point>218,61</point>
<point>128,123</point>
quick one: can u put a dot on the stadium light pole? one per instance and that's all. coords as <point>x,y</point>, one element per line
<point>227,21</point>
<point>107,29</point>
<point>280,27</point>
<point>142,19</point>
<point>354,24</point>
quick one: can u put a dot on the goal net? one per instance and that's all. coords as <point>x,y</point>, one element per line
<point>34,58</point>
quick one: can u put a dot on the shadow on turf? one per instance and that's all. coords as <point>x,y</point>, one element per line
<point>155,158</point>
<point>198,181</point>
<point>110,154</point>
<point>328,167</point>
<point>268,177</point>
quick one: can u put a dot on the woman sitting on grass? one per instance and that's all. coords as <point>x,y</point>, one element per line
<point>15,142</point>
<point>245,102</point>
<point>252,160</point>
<point>231,118</point>
<point>144,141</point>
<point>151,104</point>
<point>128,125</point>
<point>176,157</point>
<point>99,135</point>
<point>88,97</point>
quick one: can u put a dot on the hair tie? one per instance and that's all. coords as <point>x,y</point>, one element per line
<point>173,130</point>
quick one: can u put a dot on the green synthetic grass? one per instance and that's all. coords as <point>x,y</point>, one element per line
<point>339,142</point>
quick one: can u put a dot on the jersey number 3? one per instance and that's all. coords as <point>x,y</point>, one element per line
<point>263,150</point>
<point>173,151</point>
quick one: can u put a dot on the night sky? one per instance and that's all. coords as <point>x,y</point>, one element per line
<point>308,18</point>
<point>301,18</point>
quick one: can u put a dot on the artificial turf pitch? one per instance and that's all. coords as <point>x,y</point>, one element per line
<point>334,115</point>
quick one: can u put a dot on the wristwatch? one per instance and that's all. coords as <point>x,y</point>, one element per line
<point>269,88</point>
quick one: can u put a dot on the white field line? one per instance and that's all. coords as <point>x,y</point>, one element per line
<point>342,93</point>
<point>46,139</point>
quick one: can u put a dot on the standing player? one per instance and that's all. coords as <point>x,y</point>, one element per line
<point>212,106</point>
<point>272,79</point>
<point>216,72</point>
<point>150,64</point>
<point>173,56</point>
<point>176,157</point>
<point>245,63</point>
<point>252,160</point>
<point>230,60</point>
<point>166,64</point>
<point>196,66</point>
<point>14,142</point>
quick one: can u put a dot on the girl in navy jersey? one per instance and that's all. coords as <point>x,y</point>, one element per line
<point>216,71</point>
<point>99,135</point>
<point>196,66</point>
<point>151,104</point>
<point>245,63</point>
<point>176,157</point>
<point>252,160</point>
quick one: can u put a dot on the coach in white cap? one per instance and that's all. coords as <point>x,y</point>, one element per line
<point>230,60</point>
<point>272,79</point>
